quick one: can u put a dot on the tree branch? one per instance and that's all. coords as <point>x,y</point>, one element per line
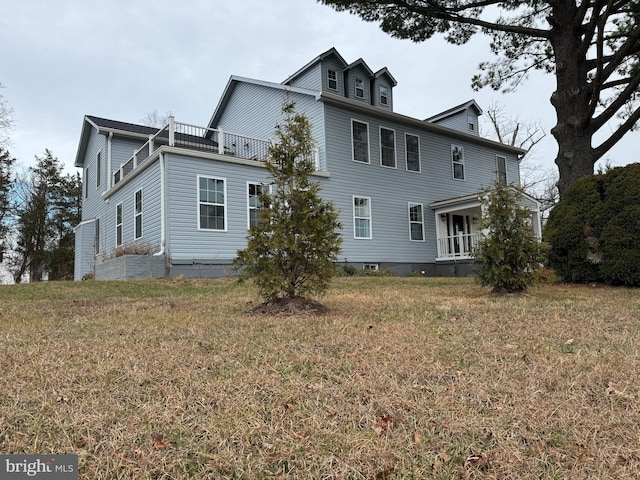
<point>608,144</point>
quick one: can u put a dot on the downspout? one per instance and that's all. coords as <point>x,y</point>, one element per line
<point>109,172</point>
<point>162,206</point>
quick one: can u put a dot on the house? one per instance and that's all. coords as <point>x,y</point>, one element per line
<point>407,189</point>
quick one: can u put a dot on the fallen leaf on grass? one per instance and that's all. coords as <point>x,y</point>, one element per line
<point>611,391</point>
<point>446,458</point>
<point>385,473</point>
<point>298,435</point>
<point>383,426</point>
<point>416,438</point>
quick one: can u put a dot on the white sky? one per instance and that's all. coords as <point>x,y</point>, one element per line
<point>122,59</point>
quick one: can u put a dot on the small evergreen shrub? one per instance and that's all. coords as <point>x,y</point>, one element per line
<point>594,232</point>
<point>509,253</point>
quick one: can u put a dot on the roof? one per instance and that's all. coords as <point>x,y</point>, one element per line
<point>385,71</point>
<point>319,58</point>
<point>235,80</point>
<point>476,198</point>
<point>360,62</point>
<point>454,110</point>
<point>104,125</point>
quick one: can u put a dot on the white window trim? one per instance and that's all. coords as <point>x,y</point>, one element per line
<point>506,172</point>
<point>97,231</point>
<point>353,156</point>
<point>355,88</point>
<point>453,172</point>
<point>472,123</point>
<point>98,169</point>
<point>121,224</point>
<point>406,153</point>
<point>249,207</point>
<point>370,217</point>
<point>395,147</point>
<point>224,182</point>
<point>136,215</point>
<point>421,222</point>
<point>86,182</point>
<point>385,96</point>
<point>329,80</point>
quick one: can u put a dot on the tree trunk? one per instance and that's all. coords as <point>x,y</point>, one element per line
<point>576,157</point>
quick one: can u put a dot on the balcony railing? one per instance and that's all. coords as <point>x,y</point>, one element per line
<point>193,137</point>
<point>458,246</point>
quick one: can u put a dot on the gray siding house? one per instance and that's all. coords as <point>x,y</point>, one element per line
<point>184,195</point>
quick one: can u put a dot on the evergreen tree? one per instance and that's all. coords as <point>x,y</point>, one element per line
<point>509,253</point>
<point>292,251</point>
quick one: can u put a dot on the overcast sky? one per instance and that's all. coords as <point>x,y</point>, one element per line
<point>122,59</point>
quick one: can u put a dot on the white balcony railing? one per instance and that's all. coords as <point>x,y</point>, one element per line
<point>193,137</point>
<point>458,246</point>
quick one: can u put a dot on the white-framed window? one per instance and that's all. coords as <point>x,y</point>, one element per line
<point>362,217</point>
<point>98,169</point>
<point>359,87</point>
<point>416,222</point>
<point>86,182</point>
<point>137,215</point>
<point>387,147</point>
<point>457,161</point>
<point>383,90</point>
<point>254,190</point>
<point>360,141</point>
<point>412,151</point>
<point>471,123</point>
<point>96,238</point>
<point>118,224</point>
<point>501,169</point>
<point>332,79</point>
<point>212,208</point>
<point>373,267</point>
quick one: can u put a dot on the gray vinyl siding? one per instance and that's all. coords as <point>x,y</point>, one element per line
<point>122,149</point>
<point>391,190</point>
<point>332,63</point>
<point>255,110</point>
<point>458,122</point>
<point>358,72</point>
<point>188,243</point>
<point>310,79</point>
<point>92,203</point>
<point>376,93</point>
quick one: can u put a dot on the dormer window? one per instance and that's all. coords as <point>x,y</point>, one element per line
<point>359,88</point>
<point>332,79</point>
<point>384,95</point>
<point>471,123</point>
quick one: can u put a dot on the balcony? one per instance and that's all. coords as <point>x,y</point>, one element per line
<point>195,138</point>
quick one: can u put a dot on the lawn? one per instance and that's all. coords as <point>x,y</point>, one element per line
<point>405,378</point>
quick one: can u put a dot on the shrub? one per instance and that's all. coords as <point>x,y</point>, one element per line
<point>509,253</point>
<point>594,232</point>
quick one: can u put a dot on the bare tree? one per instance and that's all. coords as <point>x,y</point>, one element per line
<point>6,121</point>
<point>538,182</point>
<point>155,119</point>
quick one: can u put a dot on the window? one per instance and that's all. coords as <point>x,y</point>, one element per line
<point>98,168</point>
<point>359,88</point>
<point>137,215</point>
<point>211,202</point>
<point>373,267</point>
<point>118,225</point>
<point>254,190</point>
<point>457,159</point>
<point>416,222</point>
<point>384,95</point>
<point>501,166</point>
<point>412,151</point>
<point>332,79</point>
<point>471,123</point>
<point>96,238</point>
<point>362,217</point>
<point>387,147</point>
<point>360,136</point>
<point>86,182</point>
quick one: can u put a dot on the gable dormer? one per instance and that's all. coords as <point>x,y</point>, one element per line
<point>358,79</point>
<point>382,89</point>
<point>463,117</point>
<point>323,73</point>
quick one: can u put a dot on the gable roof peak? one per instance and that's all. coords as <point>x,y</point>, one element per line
<point>454,110</point>
<point>332,51</point>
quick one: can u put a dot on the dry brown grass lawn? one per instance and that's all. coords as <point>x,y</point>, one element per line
<point>405,378</point>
